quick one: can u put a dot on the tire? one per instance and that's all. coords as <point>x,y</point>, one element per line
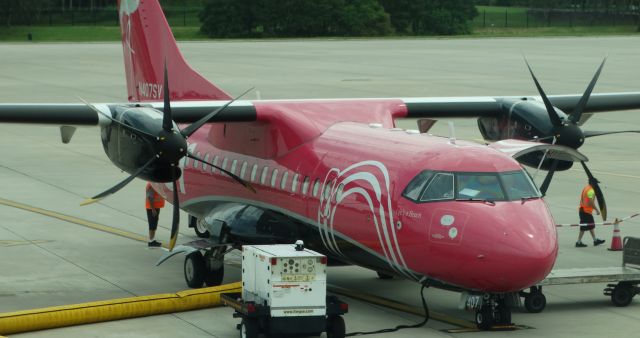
<point>622,295</point>
<point>249,328</point>
<point>504,315</point>
<point>484,319</point>
<point>214,277</point>
<point>200,228</point>
<point>383,275</point>
<point>535,302</point>
<point>335,327</point>
<point>194,269</point>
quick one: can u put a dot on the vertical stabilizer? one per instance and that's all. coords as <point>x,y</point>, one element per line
<point>148,43</point>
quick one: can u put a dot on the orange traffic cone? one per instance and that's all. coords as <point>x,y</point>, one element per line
<point>616,241</point>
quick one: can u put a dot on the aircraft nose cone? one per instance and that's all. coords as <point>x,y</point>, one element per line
<point>524,251</point>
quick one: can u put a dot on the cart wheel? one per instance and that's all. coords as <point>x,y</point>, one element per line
<point>622,295</point>
<point>383,275</point>
<point>194,269</point>
<point>335,327</point>
<point>484,318</point>
<point>535,302</point>
<point>249,328</point>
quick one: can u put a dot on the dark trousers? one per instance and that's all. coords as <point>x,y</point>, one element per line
<point>153,220</point>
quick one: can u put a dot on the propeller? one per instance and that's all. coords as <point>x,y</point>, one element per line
<point>170,146</point>
<point>566,131</point>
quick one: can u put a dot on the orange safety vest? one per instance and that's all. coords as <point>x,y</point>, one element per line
<point>586,201</point>
<point>158,201</point>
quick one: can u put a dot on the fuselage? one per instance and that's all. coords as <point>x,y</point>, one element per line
<point>339,186</point>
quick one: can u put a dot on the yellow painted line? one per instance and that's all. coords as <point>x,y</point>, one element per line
<point>392,304</point>
<point>75,220</point>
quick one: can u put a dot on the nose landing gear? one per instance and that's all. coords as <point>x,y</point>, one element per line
<point>495,311</point>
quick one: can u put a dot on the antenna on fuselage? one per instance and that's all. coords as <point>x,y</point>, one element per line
<point>452,133</point>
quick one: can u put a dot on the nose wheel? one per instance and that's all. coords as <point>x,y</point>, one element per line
<point>494,311</point>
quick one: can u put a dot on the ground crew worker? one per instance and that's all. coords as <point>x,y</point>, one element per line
<point>153,203</point>
<point>586,208</point>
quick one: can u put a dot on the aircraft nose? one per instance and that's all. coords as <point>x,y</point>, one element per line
<point>524,248</point>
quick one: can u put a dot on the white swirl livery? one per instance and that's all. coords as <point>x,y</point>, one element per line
<point>338,184</point>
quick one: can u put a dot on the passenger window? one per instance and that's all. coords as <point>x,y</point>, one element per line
<point>327,191</point>
<point>243,170</point>
<point>206,159</point>
<point>294,183</point>
<point>274,177</point>
<point>305,185</point>
<point>283,182</point>
<point>234,165</point>
<point>263,176</point>
<point>316,187</point>
<point>254,171</point>
<point>196,164</point>
<point>225,161</point>
<point>215,162</point>
<point>439,188</point>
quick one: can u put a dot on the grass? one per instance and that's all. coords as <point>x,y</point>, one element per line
<point>82,33</point>
<point>554,31</point>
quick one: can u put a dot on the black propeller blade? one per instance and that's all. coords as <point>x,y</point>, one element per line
<point>577,112</point>
<point>553,116</point>
<point>596,187</point>
<point>192,128</point>
<point>230,174</point>
<point>175,223</point>
<point>547,179</point>
<point>592,133</point>
<point>167,117</point>
<point>120,185</point>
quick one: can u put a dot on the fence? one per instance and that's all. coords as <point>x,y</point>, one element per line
<point>179,16</point>
<point>531,17</point>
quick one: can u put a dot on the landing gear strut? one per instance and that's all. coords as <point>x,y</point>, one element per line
<point>494,311</point>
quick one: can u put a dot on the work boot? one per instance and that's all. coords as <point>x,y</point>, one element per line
<point>154,244</point>
<point>579,244</point>
<point>598,241</point>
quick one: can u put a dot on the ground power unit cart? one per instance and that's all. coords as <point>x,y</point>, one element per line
<point>284,294</point>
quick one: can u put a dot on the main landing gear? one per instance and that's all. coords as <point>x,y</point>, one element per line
<point>205,269</point>
<point>494,311</point>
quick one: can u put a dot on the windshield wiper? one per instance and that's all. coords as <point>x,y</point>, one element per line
<point>524,199</point>
<point>476,200</point>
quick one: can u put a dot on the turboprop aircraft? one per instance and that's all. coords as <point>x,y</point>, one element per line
<point>337,173</point>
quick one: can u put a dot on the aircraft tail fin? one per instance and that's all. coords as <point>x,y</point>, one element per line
<point>148,44</point>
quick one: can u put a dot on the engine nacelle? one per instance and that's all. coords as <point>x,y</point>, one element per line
<point>129,151</point>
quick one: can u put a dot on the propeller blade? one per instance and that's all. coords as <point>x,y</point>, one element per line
<point>553,116</point>
<point>600,133</point>
<point>118,186</point>
<point>577,111</point>
<point>599,195</point>
<point>547,179</point>
<point>192,128</point>
<point>175,224</point>
<point>167,117</point>
<point>235,177</point>
<point>132,129</point>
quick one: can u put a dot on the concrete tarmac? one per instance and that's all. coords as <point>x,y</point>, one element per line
<point>46,261</point>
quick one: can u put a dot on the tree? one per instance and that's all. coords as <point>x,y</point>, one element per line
<point>22,11</point>
<point>365,18</point>
<point>441,17</point>
<point>227,18</point>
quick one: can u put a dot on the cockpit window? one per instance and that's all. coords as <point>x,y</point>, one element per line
<point>479,186</point>
<point>519,185</point>
<point>431,186</point>
<point>439,188</point>
<point>415,187</point>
